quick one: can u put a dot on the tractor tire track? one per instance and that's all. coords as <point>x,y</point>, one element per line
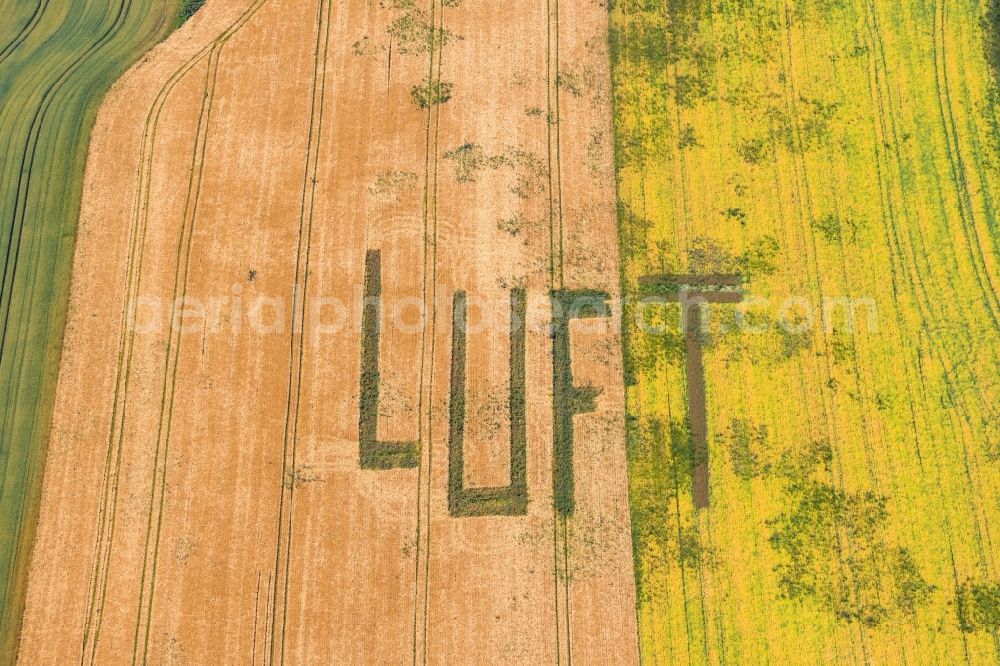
<point>286,501</point>
<point>70,85</point>
<point>560,523</point>
<point>172,357</point>
<point>425,407</point>
<point>107,514</point>
<point>922,297</point>
<point>959,180</point>
<point>25,31</point>
<point>917,287</point>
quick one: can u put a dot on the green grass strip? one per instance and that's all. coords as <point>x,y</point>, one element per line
<point>567,399</point>
<point>374,453</point>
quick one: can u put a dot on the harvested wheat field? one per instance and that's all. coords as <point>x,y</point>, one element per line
<point>258,453</point>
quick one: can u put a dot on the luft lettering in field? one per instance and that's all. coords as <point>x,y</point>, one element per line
<point>568,400</point>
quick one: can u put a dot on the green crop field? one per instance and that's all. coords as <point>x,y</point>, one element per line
<point>57,60</point>
<point>822,150</point>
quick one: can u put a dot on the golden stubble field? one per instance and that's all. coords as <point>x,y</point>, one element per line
<point>204,499</point>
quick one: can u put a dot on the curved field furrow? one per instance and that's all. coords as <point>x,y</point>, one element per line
<point>966,214</point>
<point>887,125</point>
<point>137,237</point>
<point>930,304</point>
<point>914,398</point>
<point>25,30</point>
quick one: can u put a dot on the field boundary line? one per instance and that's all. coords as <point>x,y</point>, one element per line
<point>25,175</point>
<point>23,191</point>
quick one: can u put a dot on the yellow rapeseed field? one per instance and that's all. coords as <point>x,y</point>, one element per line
<point>842,156</point>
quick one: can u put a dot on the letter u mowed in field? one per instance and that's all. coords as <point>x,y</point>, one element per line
<point>446,332</point>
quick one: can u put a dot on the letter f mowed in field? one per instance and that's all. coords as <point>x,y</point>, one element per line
<point>388,493</point>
